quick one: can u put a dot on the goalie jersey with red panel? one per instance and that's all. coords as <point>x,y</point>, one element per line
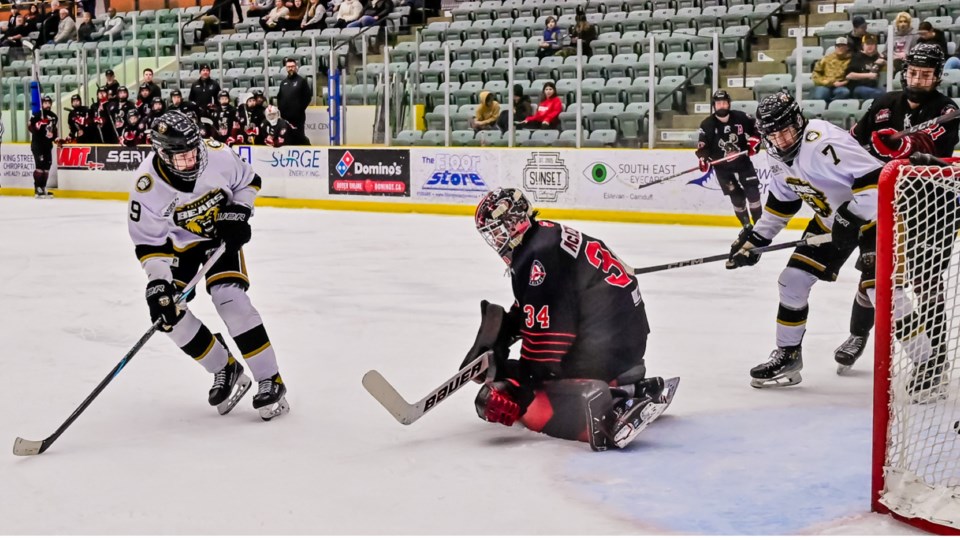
<point>580,312</point>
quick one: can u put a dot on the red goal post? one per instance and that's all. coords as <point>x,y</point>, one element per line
<point>916,443</point>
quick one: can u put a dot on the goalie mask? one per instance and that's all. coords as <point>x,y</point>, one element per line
<point>176,140</point>
<point>502,218</point>
<point>781,123</point>
<point>921,74</point>
<point>272,114</point>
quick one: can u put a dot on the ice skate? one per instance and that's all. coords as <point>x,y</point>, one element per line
<point>928,381</point>
<point>848,352</point>
<point>271,398</point>
<point>782,369</point>
<point>229,384</point>
<point>629,417</point>
<point>41,193</point>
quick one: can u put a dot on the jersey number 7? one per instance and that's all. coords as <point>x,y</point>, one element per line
<point>603,260</point>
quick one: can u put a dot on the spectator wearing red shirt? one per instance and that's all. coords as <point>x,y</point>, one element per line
<point>548,111</point>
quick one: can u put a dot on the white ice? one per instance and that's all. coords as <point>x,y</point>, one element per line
<point>342,293</point>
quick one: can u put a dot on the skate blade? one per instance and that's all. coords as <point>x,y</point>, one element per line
<point>842,369</point>
<point>269,412</point>
<point>787,379</point>
<point>626,434</point>
<point>239,389</point>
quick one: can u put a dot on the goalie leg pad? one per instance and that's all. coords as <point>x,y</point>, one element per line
<point>561,408</point>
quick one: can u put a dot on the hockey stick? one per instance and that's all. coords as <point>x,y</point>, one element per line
<point>408,413</point>
<point>24,447</point>
<point>943,119</point>
<point>809,241</point>
<point>697,168</point>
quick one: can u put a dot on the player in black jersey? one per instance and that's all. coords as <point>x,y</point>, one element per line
<point>80,122</point>
<point>276,131</point>
<point>919,102</point>
<point>135,131</point>
<point>103,119</point>
<point>727,132</point>
<point>223,117</point>
<point>581,319</point>
<point>43,130</point>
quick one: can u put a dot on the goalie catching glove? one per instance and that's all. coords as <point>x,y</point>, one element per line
<point>914,142</point>
<point>740,254</point>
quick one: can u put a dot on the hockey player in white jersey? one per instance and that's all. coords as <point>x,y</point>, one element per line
<point>822,165</point>
<point>189,196</point>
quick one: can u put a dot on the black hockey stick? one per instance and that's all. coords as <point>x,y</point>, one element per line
<point>943,119</point>
<point>809,241</point>
<point>408,413</point>
<point>24,447</point>
<point>697,168</point>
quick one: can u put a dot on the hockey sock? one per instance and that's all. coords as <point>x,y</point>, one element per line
<point>861,318</point>
<point>740,207</point>
<point>753,199</point>
<point>38,179</point>
<point>791,325</point>
<point>195,339</point>
<point>44,175</point>
<point>246,327</point>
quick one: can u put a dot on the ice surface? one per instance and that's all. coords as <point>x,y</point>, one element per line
<point>342,293</point>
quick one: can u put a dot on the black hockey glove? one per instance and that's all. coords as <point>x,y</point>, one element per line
<point>740,254</point>
<point>233,226</point>
<point>846,228</point>
<point>160,295</point>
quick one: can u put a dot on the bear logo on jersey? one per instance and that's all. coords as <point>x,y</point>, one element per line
<point>199,216</point>
<point>810,195</point>
<point>144,183</point>
<point>537,274</point>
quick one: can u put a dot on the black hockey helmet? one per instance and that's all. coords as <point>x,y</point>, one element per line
<point>720,95</point>
<point>144,86</point>
<point>175,93</point>
<point>223,93</point>
<point>923,55</point>
<point>502,217</point>
<point>75,97</point>
<point>776,113</point>
<point>123,90</point>
<point>46,99</point>
<point>173,137</point>
<point>257,93</point>
<point>133,112</point>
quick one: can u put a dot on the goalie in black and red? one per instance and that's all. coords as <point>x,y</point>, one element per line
<point>581,320</point>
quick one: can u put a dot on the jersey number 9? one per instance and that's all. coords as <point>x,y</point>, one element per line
<point>134,211</point>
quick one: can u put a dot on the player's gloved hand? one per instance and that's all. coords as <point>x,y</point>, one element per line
<point>846,228</point>
<point>269,140</point>
<point>502,402</point>
<point>753,146</point>
<point>915,142</point>
<point>233,226</point>
<point>160,294</point>
<point>704,165</point>
<point>740,254</point>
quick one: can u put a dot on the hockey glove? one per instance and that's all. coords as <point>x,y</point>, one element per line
<point>915,142</point>
<point>233,226</point>
<point>846,228</point>
<point>740,254</point>
<point>160,294</point>
<point>503,402</point>
<point>704,165</point>
<point>753,144</point>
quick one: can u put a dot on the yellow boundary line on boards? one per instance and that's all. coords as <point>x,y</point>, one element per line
<point>661,218</point>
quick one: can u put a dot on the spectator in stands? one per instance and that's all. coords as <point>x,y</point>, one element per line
<point>376,12</point>
<point>67,31</point>
<point>49,22</point>
<point>111,85</point>
<point>224,12</point>
<point>863,72</point>
<point>293,19</point>
<point>522,108</point>
<point>581,31</point>
<point>260,8</point>
<point>315,17</point>
<point>551,39</point>
<point>348,12</point>
<point>548,111</point>
<point>903,38</point>
<point>15,33</point>
<point>929,34</point>
<point>829,73</point>
<point>271,21</point>
<point>856,35</point>
<point>204,92</point>
<point>487,113</point>
<point>293,99</point>
<point>32,18</point>
<point>113,28</point>
<point>148,80</point>
<point>86,29</point>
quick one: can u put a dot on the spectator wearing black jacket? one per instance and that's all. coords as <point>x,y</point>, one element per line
<point>204,91</point>
<point>376,12</point>
<point>15,33</point>
<point>293,99</point>
<point>154,87</point>
<point>928,34</point>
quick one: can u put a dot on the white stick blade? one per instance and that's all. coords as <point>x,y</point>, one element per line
<point>23,447</point>
<point>384,392</point>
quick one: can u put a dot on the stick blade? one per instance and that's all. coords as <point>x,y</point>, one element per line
<point>23,447</point>
<point>387,395</point>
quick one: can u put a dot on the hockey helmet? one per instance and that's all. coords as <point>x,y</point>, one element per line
<point>45,101</point>
<point>143,87</point>
<point>272,114</point>
<point>123,90</point>
<point>176,93</point>
<point>720,95</point>
<point>74,98</point>
<point>776,113</point>
<point>133,113</point>
<point>502,218</point>
<point>257,93</point>
<point>923,55</point>
<point>176,140</point>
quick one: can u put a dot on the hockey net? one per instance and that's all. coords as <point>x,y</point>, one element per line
<point>916,452</point>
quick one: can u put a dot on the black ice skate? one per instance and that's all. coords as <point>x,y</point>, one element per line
<point>928,380</point>
<point>229,384</point>
<point>630,416</point>
<point>848,352</point>
<point>782,369</point>
<point>270,399</point>
<point>41,193</point>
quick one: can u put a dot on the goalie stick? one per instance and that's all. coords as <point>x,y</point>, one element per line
<point>408,413</point>
<point>24,447</point>
<point>697,168</point>
<point>809,241</point>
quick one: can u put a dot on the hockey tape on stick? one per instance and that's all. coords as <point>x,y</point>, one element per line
<point>724,159</point>
<point>809,241</point>
<point>24,447</point>
<point>408,413</point>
